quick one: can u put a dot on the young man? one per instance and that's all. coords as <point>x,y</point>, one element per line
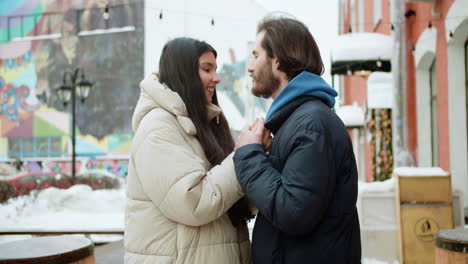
<point>306,187</point>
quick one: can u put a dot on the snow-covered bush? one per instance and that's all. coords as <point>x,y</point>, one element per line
<point>63,181</point>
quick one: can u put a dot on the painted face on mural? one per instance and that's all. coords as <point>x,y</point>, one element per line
<point>69,47</point>
<point>209,77</point>
<point>69,39</point>
<point>261,71</point>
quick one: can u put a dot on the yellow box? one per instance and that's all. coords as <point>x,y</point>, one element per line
<point>418,225</point>
<point>424,189</point>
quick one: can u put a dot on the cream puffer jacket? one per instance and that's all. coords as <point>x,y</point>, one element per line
<point>177,203</point>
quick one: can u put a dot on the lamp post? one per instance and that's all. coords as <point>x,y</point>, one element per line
<point>66,92</point>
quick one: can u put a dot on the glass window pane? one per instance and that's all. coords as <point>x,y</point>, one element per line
<point>55,146</point>
<point>28,147</point>
<point>434,116</point>
<point>466,85</point>
<point>43,147</point>
<point>14,148</point>
<point>377,11</point>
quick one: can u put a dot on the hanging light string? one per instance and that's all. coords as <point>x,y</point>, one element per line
<point>163,13</point>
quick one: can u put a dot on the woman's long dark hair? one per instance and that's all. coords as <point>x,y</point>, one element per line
<point>179,69</point>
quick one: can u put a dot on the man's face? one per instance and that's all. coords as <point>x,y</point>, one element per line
<point>261,71</point>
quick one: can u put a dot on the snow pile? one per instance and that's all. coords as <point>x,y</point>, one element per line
<point>377,187</point>
<point>76,208</point>
<point>350,47</point>
<point>413,171</point>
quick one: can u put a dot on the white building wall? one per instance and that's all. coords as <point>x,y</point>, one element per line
<point>456,28</point>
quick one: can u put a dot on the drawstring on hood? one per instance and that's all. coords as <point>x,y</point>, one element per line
<point>306,83</point>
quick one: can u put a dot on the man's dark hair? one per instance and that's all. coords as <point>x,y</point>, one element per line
<point>292,43</point>
<point>179,70</point>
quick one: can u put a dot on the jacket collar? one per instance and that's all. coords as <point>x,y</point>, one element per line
<point>279,117</point>
<point>305,83</point>
<point>155,94</point>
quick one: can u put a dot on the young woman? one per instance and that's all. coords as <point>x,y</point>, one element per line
<point>184,204</point>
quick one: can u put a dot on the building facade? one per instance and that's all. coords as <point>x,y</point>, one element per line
<point>435,70</point>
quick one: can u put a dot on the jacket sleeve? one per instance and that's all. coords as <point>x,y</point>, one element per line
<point>294,200</point>
<point>176,181</point>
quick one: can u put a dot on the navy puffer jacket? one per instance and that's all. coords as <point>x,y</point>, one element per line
<point>305,190</point>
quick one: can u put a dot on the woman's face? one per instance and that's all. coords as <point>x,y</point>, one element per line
<point>209,77</point>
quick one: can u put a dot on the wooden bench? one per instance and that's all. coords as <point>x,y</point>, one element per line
<point>50,250</point>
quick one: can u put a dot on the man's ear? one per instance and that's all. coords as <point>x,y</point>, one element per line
<point>276,63</point>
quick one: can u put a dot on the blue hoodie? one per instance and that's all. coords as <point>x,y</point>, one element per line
<point>305,83</point>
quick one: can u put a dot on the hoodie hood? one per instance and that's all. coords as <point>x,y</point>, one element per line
<point>305,83</point>
<point>158,95</point>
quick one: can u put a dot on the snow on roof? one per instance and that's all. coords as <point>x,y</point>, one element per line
<point>420,171</point>
<point>234,117</point>
<point>362,47</point>
<point>351,115</point>
<point>380,78</point>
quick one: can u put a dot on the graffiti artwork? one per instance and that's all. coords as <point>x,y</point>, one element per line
<point>40,40</point>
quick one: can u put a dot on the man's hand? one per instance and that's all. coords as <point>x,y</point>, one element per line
<point>266,139</point>
<point>251,135</point>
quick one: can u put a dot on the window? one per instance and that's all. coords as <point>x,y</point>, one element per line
<point>434,121</point>
<point>42,147</point>
<point>377,12</point>
<point>55,146</point>
<point>14,147</point>
<point>353,16</point>
<point>466,85</point>
<point>28,147</point>
<point>34,147</point>
<point>360,17</point>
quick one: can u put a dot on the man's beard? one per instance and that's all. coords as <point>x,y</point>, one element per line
<point>265,82</point>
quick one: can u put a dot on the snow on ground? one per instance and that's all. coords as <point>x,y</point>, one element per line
<point>76,208</point>
<point>376,261</point>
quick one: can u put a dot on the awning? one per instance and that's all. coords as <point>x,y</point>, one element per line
<point>356,52</point>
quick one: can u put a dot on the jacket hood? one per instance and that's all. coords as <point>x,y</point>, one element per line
<point>155,94</point>
<point>305,83</point>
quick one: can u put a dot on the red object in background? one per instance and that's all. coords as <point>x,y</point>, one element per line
<point>32,176</point>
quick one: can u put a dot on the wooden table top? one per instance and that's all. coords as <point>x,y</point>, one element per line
<point>50,249</point>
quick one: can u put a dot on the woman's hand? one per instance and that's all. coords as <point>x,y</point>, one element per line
<point>255,134</point>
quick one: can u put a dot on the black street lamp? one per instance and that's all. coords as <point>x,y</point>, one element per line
<point>66,92</point>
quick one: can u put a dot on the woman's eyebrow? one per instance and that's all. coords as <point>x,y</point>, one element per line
<point>209,64</point>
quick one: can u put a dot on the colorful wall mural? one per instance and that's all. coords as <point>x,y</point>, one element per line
<point>42,39</point>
